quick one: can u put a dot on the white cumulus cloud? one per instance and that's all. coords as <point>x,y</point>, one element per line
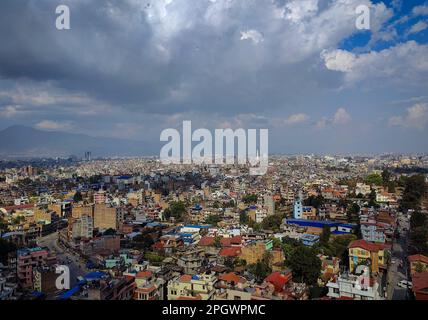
<point>341,117</point>
<point>402,63</point>
<point>416,117</point>
<point>252,35</point>
<point>54,125</point>
<point>418,27</point>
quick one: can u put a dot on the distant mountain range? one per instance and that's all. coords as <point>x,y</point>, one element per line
<point>26,142</point>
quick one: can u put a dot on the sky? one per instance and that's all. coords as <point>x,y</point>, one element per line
<point>300,68</point>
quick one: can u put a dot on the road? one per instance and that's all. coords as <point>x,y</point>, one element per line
<point>398,271</point>
<point>65,256</point>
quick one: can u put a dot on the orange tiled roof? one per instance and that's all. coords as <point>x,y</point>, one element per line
<point>230,252</point>
<point>231,277</point>
<point>145,290</point>
<point>207,241</point>
<point>279,280</point>
<point>190,298</point>
<point>144,274</point>
<point>185,278</point>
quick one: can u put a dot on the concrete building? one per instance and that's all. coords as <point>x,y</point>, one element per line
<point>105,217</point>
<point>100,197</point>
<point>148,287</point>
<point>372,232</point>
<point>363,252</point>
<point>190,264</point>
<point>196,287</point>
<point>29,259</point>
<point>269,204</point>
<point>83,227</point>
<point>79,211</point>
<point>350,286</point>
<point>7,290</point>
<point>45,280</point>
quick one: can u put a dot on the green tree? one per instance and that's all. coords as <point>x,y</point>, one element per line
<point>415,188</point>
<point>4,227</point>
<point>375,179</point>
<point>372,199</point>
<point>77,197</point>
<point>249,199</point>
<point>305,264</point>
<point>314,201</point>
<point>272,222</point>
<point>176,210</point>
<point>144,241</point>
<point>357,231</point>
<point>229,263</point>
<point>213,220</point>
<point>353,212</point>
<point>261,269</point>
<point>325,235</point>
<point>217,242</point>
<point>6,247</point>
<point>418,219</point>
<point>418,240</point>
<point>153,257</point>
<point>110,232</point>
<point>243,217</point>
<point>386,176</point>
<point>391,187</point>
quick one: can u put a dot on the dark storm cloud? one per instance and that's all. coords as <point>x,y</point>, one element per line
<point>113,53</point>
<point>129,67</point>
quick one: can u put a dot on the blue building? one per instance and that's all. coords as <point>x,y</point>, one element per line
<point>336,228</point>
<point>309,239</point>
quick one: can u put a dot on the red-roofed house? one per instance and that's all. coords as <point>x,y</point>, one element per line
<point>148,287</point>
<point>230,242</point>
<point>361,252</point>
<point>230,252</point>
<point>279,280</point>
<point>207,241</point>
<point>230,279</point>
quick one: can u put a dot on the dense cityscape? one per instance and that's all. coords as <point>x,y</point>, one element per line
<point>312,228</point>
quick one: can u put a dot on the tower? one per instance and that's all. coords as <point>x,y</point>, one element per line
<point>298,210</point>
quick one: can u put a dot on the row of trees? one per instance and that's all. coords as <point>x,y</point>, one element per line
<point>5,248</point>
<point>414,191</point>
<point>419,233</point>
<point>249,199</point>
<point>176,210</point>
